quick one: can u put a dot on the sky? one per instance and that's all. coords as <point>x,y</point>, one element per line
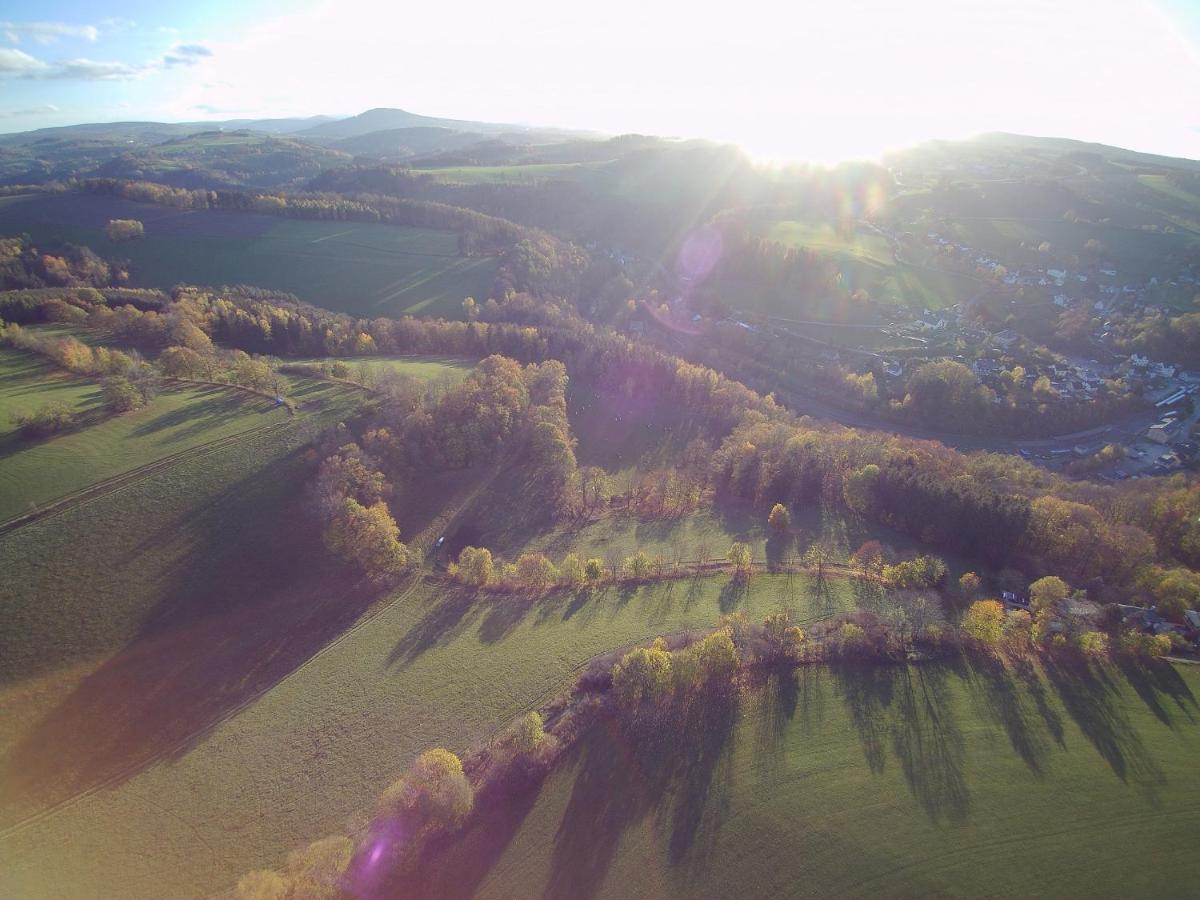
<point>787,79</point>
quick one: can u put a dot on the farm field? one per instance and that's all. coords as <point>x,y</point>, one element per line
<point>360,268</point>
<point>180,418</point>
<point>872,781</point>
<point>439,667</point>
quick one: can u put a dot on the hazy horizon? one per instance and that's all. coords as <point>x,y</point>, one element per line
<point>830,82</point>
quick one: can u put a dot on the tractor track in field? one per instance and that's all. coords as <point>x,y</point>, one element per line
<point>107,485</point>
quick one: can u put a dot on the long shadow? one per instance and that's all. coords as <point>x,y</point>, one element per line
<point>446,618</point>
<point>1160,687</point>
<point>778,548</point>
<point>248,607</point>
<point>217,407</point>
<point>455,865</point>
<point>911,706</point>
<point>503,616</point>
<point>1003,700</point>
<point>670,764</point>
<point>733,592</point>
<point>868,690</point>
<point>928,742</point>
<point>1092,700</point>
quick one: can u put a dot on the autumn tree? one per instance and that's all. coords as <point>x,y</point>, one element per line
<point>535,571</point>
<point>984,621</point>
<point>435,788</point>
<point>969,584</point>
<point>369,538</point>
<point>643,674</point>
<point>124,230</point>
<point>1048,592</point>
<point>474,566</point>
<point>779,519</point>
<point>739,557</point>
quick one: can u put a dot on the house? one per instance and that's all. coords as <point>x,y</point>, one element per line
<point>1007,338</point>
<point>1159,433</point>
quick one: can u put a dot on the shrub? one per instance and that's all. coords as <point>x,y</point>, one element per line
<point>474,566</point>
<point>436,787</point>
<point>714,656</point>
<point>122,395</point>
<point>124,229</point>
<point>572,572</point>
<point>535,572</point>
<point>1093,643</point>
<point>782,637</point>
<point>527,734</point>
<point>739,556</point>
<point>1145,645</point>
<point>317,870</point>
<point>851,637</point>
<point>594,569</point>
<point>969,584</point>
<point>643,673</point>
<point>1018,630</point>
<point>922,572</point>
<point>1048,592</point>
<point>264,884</point>
<point>49,418</point>
<point>637,566</point>
<point>984,620</point>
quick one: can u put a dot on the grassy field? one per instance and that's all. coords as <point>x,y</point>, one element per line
<point>435,668</point>
<point>427,368</point>
<point>179,419</point>
<point>893,781</point>
<point>359,268</point>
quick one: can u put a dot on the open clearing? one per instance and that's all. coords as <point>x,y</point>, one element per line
<point>867,781</point>
<point>355,267</point>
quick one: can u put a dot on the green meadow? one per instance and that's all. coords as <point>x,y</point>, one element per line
<point>359,268</point>
<point>861,781</point>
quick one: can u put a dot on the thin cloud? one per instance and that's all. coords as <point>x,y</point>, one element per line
<point>47,32</point>
<point>31,111</point>
<point>186,55</point>
<point>19,62</point>
<point>94,70</point>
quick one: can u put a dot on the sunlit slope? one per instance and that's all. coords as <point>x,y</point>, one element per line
<point>892,781</point>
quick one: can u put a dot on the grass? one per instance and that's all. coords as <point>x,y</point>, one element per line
<point>33,473</point>
<point>872,781</point>
<point>437,668</point>
<point>359,268</point>
<point>426,368</point>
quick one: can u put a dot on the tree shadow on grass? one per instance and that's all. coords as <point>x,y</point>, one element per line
<point>910,705</point>
<point>455,865</point>
<point>503,615</point>
<point>448,615</point>
<point>1093,701</point>
<point>671,765</point>
<point>734,592</point>
<point>1160,687</point>
<point>928,742</point>
<point>248,607</point>
<point>1005,700</point>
